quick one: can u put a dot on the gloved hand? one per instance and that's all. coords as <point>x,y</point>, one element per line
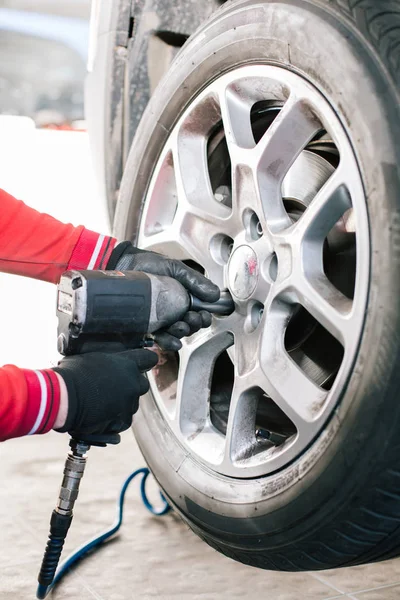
<point>104,390</point>
<point>125,257</point>
<point>169,339</point>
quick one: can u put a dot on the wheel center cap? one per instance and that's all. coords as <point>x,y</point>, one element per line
<point>243,272</point>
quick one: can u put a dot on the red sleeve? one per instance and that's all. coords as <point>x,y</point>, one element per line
<point>29,401</point>
<point>37,245</point>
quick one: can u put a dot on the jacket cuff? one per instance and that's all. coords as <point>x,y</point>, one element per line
<point>43,401</point>
<point>73,407</point>
<point>119,251</point>
<point>92,251</point>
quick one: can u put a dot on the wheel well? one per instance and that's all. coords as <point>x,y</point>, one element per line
<point>149,29</point>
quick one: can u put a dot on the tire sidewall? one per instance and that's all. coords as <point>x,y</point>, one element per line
<point>321,45</point>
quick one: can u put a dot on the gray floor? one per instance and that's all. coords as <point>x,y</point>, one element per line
<point>152,557</point>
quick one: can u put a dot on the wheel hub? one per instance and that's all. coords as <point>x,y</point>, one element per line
<point>243,272</point>
<point>255,208</point>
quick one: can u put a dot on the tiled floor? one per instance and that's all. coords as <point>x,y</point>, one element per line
<point>152,557</point>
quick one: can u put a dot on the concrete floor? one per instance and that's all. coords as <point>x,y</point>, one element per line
<point>152,557</point>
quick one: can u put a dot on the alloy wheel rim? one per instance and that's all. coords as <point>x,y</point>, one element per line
<point>248,238</point>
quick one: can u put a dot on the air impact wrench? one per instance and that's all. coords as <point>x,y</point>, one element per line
<point>122,306</point>
<point>106,307</point>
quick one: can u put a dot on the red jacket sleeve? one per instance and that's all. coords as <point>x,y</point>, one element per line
<point>29,401</point>
<point>39,246</point>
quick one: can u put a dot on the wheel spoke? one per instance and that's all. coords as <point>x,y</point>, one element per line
<point>326,304</point>
<point>158,232</point>
<point>277,150</point>
<point>198,217</point>
<point>295,394</point>
<point>197,229</point>
<point>196,364</point>
<point>240,431</point>
<point>189,148</point>
<point>244,194</point>
<point>189,237</point>
<point>328,206</point>
<point>313,289</point>
<point>246,352</point>
<point>235,113</point>
<point>167,242</point>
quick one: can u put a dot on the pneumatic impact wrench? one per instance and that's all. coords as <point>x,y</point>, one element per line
<point>108,309</point>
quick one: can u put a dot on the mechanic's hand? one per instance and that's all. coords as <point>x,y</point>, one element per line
<point>104,390</point>
<point>169,339</point>
<point>125,257</point>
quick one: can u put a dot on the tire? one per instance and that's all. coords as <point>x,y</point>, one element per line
<point>337,504</point>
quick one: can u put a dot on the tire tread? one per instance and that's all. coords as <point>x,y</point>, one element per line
<point>379,21</point>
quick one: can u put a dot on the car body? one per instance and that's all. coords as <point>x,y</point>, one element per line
<point>131,47</point>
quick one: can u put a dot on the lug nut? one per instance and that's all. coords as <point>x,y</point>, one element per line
<point>252,225</point>
<point>273,267</point>
<point>223,195</point>
<point>255,315</point>
<point>221,247</point>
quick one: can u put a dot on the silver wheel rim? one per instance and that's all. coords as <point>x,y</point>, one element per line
<point>271,262</point>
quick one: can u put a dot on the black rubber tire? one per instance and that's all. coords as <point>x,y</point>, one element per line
<point>339,503</point>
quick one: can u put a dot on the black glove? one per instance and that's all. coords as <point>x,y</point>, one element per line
<point>168,339</point>
<point>104,390</point>
<point>125,257</point>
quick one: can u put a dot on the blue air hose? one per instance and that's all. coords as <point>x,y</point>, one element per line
<point>79,553</point>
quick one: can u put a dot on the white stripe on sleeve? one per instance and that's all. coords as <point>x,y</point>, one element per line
<point>96,252</point>
<point>43,402</point>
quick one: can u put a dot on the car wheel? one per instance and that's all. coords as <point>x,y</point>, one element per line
<point>268,158</point>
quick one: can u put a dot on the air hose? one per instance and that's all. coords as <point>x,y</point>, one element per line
<point>59,525</point>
